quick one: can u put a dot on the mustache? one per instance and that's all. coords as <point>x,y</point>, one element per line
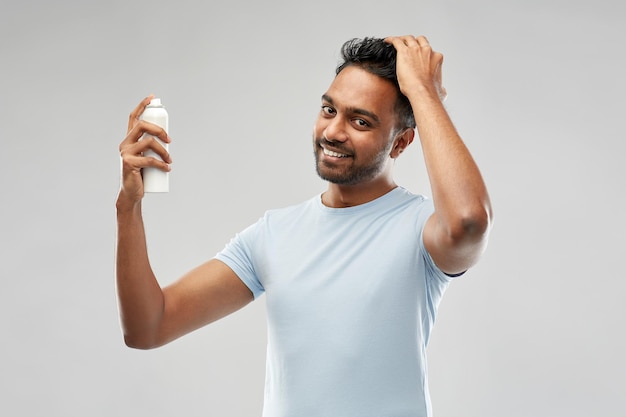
<point>334,146</point>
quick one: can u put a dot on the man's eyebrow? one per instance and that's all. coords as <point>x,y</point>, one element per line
<point>354,110</point>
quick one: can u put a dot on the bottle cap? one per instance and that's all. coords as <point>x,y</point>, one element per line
<point>155,102</point>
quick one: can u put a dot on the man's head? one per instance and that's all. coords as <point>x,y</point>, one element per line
<point>377,57</point>
<point>364,123</point>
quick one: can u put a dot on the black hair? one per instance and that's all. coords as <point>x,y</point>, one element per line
<point>377,57</point>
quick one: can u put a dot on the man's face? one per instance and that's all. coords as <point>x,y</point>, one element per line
<point>354,131</point>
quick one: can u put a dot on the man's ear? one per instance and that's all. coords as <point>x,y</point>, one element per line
<point>402,140</point>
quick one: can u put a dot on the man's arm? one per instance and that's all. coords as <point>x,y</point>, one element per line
<point>152,316</point>
<point>456,234</point>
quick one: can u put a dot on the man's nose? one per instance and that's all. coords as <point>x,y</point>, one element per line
<point>335,131</point>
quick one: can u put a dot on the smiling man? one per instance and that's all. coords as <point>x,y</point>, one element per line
<point>353,276</point>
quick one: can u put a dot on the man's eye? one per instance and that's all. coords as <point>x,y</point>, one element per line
<point>328,110</point>
<point>361,123</point>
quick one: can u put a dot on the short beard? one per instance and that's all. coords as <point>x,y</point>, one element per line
<point>353,175</point>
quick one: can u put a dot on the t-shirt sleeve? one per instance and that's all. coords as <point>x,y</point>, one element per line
<point>432,269</point>
<point>436,280</point>
<point>238,254</point>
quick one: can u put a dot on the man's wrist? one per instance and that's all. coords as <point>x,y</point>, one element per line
<point>420,91</point>
<point>126,204</point>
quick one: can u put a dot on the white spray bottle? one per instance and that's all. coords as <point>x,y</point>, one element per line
<point>155,180</point>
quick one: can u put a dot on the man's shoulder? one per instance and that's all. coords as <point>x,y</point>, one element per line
<point>290,212</point>
<point>399,199</point>
<point>402,200</point>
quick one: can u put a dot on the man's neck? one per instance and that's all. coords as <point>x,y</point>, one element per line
<point>341,196</point>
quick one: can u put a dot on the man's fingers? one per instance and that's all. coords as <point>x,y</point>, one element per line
<point>142,138</point>
<point>400,41</point>
<point>155,146</point>
<point>408,41</point>
<point>396,41</point>
<point>149,143</point>
<point>135,163</point>
<point>142,127</point>
<point>422,41</point>
<point>156,163</point>
<point>136,113</point>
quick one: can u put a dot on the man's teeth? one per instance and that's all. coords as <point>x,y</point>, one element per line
<point>335,154</point>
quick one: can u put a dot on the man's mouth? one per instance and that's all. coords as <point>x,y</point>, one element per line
<point>333,153</point>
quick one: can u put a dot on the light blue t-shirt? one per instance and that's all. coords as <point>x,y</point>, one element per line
<point>351,299</point>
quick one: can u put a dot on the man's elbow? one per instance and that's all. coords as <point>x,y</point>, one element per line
<point>472,225</point>
<point>140,343</point>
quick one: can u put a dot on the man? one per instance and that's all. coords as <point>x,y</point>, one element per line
<point>353,276</point>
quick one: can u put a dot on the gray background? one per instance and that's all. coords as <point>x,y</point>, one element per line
<point>536,89</point>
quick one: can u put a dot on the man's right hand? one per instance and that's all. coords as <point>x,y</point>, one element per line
<point>131,150</point>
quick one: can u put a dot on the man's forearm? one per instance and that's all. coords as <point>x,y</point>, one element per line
<point>139,294</point>
<point>459,193</point>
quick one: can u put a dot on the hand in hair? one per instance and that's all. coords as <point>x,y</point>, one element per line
<point>418,66</point>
